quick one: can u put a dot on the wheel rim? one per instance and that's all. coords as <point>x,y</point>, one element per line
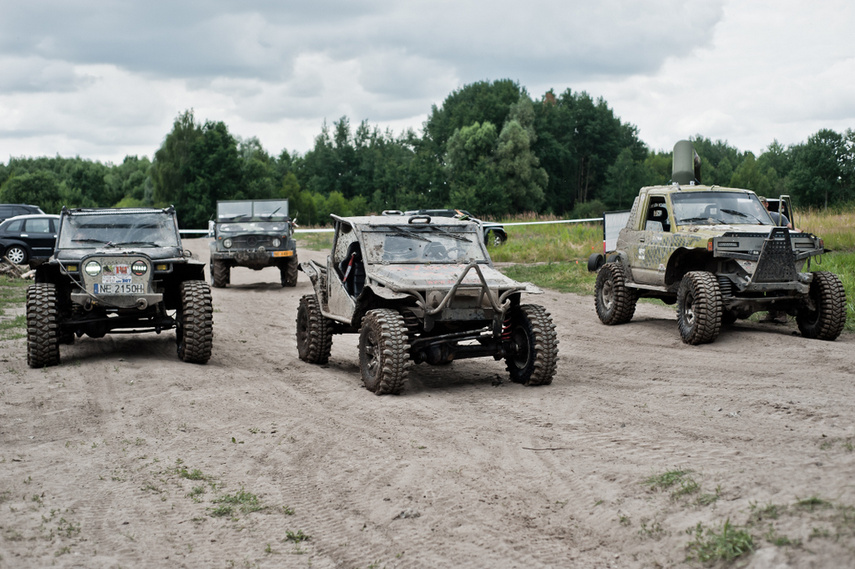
<point>522,348</point>
<point>16,255</point>
<point>689,310</point>
<point>372,363</point>
<point>608,294</point>
<point>303,330</point>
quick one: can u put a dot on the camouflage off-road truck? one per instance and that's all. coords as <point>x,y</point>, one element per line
<point>118,271</point>
<point>421,289</point>
<point>253,234</point>
<point>718,255</point>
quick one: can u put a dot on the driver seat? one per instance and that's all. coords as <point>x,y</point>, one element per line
<point>353,270</point>
<point>659,213</point>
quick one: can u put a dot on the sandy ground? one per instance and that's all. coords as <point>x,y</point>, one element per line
<point>123,456</point>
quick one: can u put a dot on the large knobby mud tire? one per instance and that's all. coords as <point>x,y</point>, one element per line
<point>220,274</point>
<point>194,333</point>
<point>42,326</point>
<point>384,354</point>
<point>534,353</point>
<point>699,308</point>
<point>314,331</point>
<point>288,272</point>
<point>825,317</point>
<point>615,302</point>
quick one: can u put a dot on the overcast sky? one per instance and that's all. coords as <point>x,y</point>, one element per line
<point>104,79</point>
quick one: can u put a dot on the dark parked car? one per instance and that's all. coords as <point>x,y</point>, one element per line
<point>28,238</point>
<point>8,210</point>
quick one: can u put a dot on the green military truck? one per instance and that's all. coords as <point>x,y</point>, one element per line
<point>717,253</point>
<point>255,234</point>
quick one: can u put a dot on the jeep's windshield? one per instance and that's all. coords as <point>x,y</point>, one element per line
<point>719,208</point>
<point>98,230</point>
<point>250,209</point>
<point>423,244</point>
<point>253,227</point>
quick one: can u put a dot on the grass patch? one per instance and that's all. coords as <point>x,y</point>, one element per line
<point>550,243</point>
<point>724,544</point>
<point>194,474</point>
<point>835,228</point>
<point>13,295</point>
<point>321,241</point>
<point>13,328</point>
<point>243,501</point>
<point>297,537</point>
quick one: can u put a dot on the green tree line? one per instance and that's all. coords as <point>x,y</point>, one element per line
<point>489,148</point>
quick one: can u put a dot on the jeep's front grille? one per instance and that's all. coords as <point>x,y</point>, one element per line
<point>777,262</point>
<point>252,241</point>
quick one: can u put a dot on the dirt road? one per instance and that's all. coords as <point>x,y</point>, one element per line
<point>123,456</point>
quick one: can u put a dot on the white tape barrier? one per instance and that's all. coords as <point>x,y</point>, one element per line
<point>329,229</point>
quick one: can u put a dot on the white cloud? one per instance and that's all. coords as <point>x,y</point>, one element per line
<point>102,81</point>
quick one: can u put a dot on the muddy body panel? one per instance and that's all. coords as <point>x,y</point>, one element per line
<point>687,228</point>
<point>434,277</point>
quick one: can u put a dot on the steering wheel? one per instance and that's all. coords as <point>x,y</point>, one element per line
<point>435,250</point>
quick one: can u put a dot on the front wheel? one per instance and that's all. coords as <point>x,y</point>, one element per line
<point>17,254</point>
<point>220,274</point>
<point>194,328</point>
<point>383,351</point>
<point>823,314</point>
<point>42,326</point>
<point>314,332</point>
<point>699,308</point>
<point>533,350</point>
<point>614,301</point>
<point>288,272</point>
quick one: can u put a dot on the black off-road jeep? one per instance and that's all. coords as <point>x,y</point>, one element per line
<point>118,271</point>
<point>253,234</point>
<point>421,289</point>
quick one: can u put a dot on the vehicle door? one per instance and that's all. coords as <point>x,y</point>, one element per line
<point>40,234</point>
<point>341,303</point>
<point>650,249</point>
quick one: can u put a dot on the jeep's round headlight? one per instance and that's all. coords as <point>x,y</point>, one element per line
<point>139,268</point>
<point>227,243</point>
<point>92,268</point>
<point>276,242</point>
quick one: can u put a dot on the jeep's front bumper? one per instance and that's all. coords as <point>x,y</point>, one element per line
<point>769,262</point>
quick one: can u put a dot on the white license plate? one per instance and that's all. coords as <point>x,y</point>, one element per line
<point>119,288</point>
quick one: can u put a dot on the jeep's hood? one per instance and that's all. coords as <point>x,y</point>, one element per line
<point>721,228</point>
<point>156,253</point>
<point>433,277</point>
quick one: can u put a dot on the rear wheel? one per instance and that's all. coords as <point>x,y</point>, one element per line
<point>314,332</point>
<point>195,323</point>
<point>823,314</point>
<point>699,308</point>
<point>533,356</point>
<point>494,238</point>
<point>17,254</point>
<point>615,302</point>
<point>383,351</point>
<point>42,326</point>
<point>220,274</point>
<point>288,272</point>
